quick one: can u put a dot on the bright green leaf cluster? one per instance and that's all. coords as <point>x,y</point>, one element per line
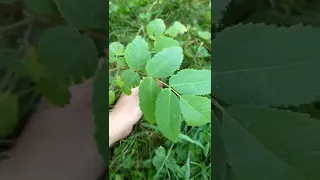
<point>156,31</point>
<point>179,101</point>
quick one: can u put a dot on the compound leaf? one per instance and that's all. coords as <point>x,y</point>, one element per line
<point>137,54</point>
<point>84,14</point>
<point>196,110</point>
<point>164,42</point>
<point>191,81</point>
<point>284,144</point>
<point>267,66</point>
<point>164,63</point>
<point>155,28</point>
<point>168,114</point>
<point>8,113</point>
<point>148,92</point>
<point>175,29</point>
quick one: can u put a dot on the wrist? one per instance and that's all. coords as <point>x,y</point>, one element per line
<point>117,129</point>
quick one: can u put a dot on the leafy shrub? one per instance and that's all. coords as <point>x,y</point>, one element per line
<point>140,156</point>
<point>180,99</point>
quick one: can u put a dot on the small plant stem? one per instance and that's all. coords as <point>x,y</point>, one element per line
<point>114,69</point>
<point>171,88</point>
<point>16,25</point>
<point>215,103</point>
<point>96,34</point>
<point>150,126</point>
<point>152,5</point>
<point>164,161</point>
<point>162,83</point>
<point>140,29</point>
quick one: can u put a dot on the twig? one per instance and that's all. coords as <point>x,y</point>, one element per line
<point>164,161</point>
<point>16,25</point>
<point>96,34</point>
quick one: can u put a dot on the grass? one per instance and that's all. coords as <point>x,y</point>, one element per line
<point>146,154</point>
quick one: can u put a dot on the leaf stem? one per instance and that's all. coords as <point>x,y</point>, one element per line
<point>164,161</point>
<point>114,69</point>
<point>140,29</point>
<point>152,5</point>
<point>16,25</point>
<point>170,88</point>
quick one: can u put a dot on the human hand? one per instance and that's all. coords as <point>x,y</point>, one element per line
<point>123,116</point>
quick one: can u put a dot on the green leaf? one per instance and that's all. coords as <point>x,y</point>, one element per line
<point>196,110</point>
<point>34,69</point>
<point>7,1</point>
<point>148,92</point>
<point>218,148</point>
<point>74,58</point>
<point>55,92</point>
<point>156,28</point>
<point>121,62</point>
<point>41,7</point>
<point>66,54</point>
<point>203,52</point>
<point>265,143</point>
<point>84,14</point>
<point>162,158</point>
<point>175,29</point>
<point>164,63</point>
<point>115,49</point>
<point>112,97</point>
<point>219,6</point>
<point>101,115</point>
<point>204,35</point>
<point>8,113</point>
<point>168,114</point>
<point>130,80</point>
<point>191,81</point>
<point>159,158</point>
<point>10,61</point>
<point>137,54</point>
<point>267,65</point>
<point>164,42</point>
<point>126,90</point>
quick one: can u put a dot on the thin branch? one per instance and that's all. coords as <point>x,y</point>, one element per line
<point>16,25</point>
